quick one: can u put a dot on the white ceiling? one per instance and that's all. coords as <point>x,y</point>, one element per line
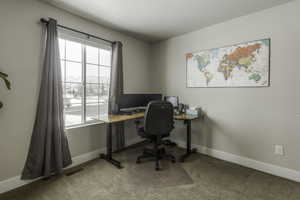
<point>155,20</point>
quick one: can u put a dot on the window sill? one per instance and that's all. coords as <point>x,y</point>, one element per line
<point>84,125</point>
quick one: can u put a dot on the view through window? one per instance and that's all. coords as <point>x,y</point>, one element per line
<point>85,76</point>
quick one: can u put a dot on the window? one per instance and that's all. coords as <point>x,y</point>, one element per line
<point>85,75</point>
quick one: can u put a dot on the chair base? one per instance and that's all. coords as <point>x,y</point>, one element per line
<point>159,155</point>
<point>169,143</point>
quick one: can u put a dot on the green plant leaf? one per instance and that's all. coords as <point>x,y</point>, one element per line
<point>7,83</point>
<point>4,77</point>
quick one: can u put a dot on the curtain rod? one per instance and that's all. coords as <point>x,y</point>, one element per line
<point>43,20</point>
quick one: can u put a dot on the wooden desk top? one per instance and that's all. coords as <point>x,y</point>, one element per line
<point>120,118</point>
<point>185,117</point>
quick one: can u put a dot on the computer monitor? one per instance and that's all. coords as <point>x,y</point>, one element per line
<point>152,97</point>
<point>137,100</point>
<point>130,101</point>
<point>173,100</point>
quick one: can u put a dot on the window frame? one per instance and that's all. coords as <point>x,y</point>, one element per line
<point>100,45</point>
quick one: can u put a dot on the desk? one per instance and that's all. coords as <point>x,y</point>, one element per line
<point>110,119</point>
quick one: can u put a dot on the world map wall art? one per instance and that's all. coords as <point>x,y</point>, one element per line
<point>242,65</point>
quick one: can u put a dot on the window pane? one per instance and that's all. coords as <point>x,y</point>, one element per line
<point>92,111</point>
<point>92,93</point>
<point>73,72</point>
<point>62,66</point>
<point>73,104</point>
<point>73,51</point>
<point>92,55</point>
<point>92,74</point>
<point>104,75</point>
<point>104,92</point>
<point>103,104</point>
<point>74,93</point>
<point>62,45</point>
<point>105,57</point>
<point>73,115</point>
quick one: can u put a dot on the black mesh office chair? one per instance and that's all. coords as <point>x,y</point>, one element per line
<point>158,124</point>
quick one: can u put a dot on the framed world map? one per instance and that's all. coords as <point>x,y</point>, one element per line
<point>241,65</point>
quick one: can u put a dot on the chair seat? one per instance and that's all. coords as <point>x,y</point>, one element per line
<point>143,134</point>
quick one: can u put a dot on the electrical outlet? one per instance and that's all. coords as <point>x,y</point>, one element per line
<point>279,150</point>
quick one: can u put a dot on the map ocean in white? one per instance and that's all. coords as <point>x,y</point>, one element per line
<point>239,77</point>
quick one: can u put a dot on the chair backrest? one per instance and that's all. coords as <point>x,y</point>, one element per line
<point>159,118</point>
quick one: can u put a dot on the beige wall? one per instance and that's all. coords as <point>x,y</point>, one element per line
<point>242,121</point>
<point>20,35</point>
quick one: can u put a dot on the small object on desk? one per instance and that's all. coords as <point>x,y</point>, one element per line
<point>173,100</point>
<point>192,112</point>
<point>195,111</point>
<point>182,108</point>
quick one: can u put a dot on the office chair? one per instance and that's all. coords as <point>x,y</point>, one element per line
<point>157,125</point>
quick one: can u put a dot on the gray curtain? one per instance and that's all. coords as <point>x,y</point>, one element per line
<point>116,90</point>
<point>49,150</point>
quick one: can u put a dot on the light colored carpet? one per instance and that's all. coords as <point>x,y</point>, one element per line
<point>200,178</point>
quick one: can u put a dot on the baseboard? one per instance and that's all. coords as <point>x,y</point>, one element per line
<point>247,162</point>
<point>16,182</point>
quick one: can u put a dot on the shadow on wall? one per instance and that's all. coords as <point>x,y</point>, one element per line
<point>207,132</point>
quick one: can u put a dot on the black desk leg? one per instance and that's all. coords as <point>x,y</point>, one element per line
<point>108,156</point>
<point>189,149</point>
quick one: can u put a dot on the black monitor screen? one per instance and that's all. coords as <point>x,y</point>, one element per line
<point>173,100</point>
<point>130,101</point>
<point>137,100</point>
<point>151,97</point>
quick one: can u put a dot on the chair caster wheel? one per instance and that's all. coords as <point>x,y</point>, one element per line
<point>157,168</point>
<point>138,162</point>
<point>173,161</point>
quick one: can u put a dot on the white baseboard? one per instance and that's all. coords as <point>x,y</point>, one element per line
<point>247,162</point>
<point>15,182</point>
